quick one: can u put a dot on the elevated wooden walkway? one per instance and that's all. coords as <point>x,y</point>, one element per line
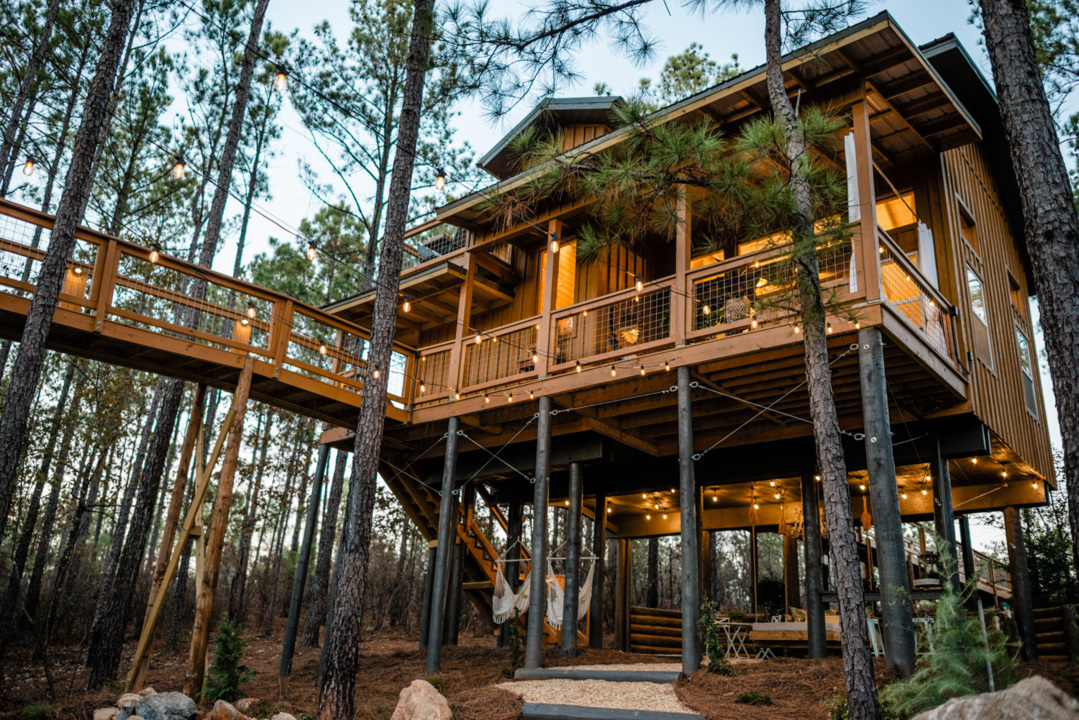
<point>126,305</point>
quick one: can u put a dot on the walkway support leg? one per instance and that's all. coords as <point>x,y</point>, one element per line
<point>428,591</point>
<point>445,548</point>
<point>621,595</point>
<point>599,549</point>
<point>691,538</point>
<point>537,601</point>
<point>790,572</point>
<point>884,493</point>
<point>204,605</point>
<point>1021,597</point>
<point>944,512</point>
<point>573,557</point>
<point>814,578</point>
<point>512,568</point>
<point>457,568</point>
<point>969,569</point>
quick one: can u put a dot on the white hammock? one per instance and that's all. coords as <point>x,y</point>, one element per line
<point>505,603</point>
<point>556,596</point>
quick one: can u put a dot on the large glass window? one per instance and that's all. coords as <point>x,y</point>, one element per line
<point>1026,364</point>
<point>980,317</point>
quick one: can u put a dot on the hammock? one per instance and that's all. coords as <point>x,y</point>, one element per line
<point>556,596</point>
<point>505,603</point>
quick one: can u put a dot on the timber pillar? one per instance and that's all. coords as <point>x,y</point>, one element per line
<point>898,627</point>
<point>690,530</point>
<point>599,548</point>
<point>814,577</point>
<point>1020,577</point>
<point>944,516</point>
<point>790,573</point>
<point>573,561</point>
<point>622,586</point>
<point>537,599</point>
<point>444,551</point>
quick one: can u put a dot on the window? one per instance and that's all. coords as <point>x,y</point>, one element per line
<point>1018,300</point>
<point>980,317</point>
<point>896,211</point>
<point>1027,366</point>
<point>968,230</point>
<point>565,279</point>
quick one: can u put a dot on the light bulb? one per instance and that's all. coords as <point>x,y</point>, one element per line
<point>322,349</point>
<point>494,339</point>
<point>756,506</point>
<point>28,166</point>
<point>280,81</point>
<point>423,388</point>
<point>178,168</point>
<point>407,307</point>
<point>479,338</point>
<point>553,247</point>
<point>578,366</point>
<point>828,328</point>
<point>655,506</point>
<point>486,399</point>
<point>797,329</point>
<point>753,323</point>
<point>639,284</point>
<point>924,491</point>
<point>613,371</point>
<point>312,251</point>
<point>440,179</point>
<point>706,310</point>
<point>762,282</point>
<point>251,310</point>
<point>667,366</point>
<point>904,496</point>
<point>642,369</point>
<point>644,496</point>
<point>715,499</point>
<point>77,270</point>
<point>974,461</point>
<point>817,478</point>
<point>608,511</point>
<point>1034,484</point>
<point>456,395</point>
<point>772,483</point>
<point>155,253</point>
<point>376,373</point>
<point>862,486</point>
<point>535,357</point>
<point>245,321</point>
<point>531,395</point>
<point>511,397</point>
<point>857,325</point>
<point>664,516</point>
<point>777,496</point>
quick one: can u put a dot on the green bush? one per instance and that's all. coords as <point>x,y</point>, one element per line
<point>754,697</point>
<point>713,642</point>
<point>227,672</point>
<point>36,712</point>
<point>436,683</point>
<point>956,664</point>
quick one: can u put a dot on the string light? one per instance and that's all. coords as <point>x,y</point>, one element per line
<point>407,306</point>
<point>642,370</point>
<point>251,312</point>
<point>772,483</point>
<point>828,328</point>
<point>667,366</point>
<point>479,338</point>
<point>423,387</point>
<point>639,283</point>
<point>510,397</point>
<point>486,399</point>
<point>756,506</point>
<point>322,349</point>
<point>280,81</point>
<point>777,496</point>
<point>456,395</point>
<point>376,373</point>
<point>706,310</point>
<point>904,496</point>
<point>531,395</point>
<point>924,491</point>
<point>753,323</point>
<point>614,372</point>
<point>974,461</point>
<point>647,517</point>
<point>155,253</point>
<point>608,511</point>
<point>553,246</point>
<point>644,496</point>
<point>578,366</point>
<point>664,516</point>
<point>797,329</point>
<point>312,251</point>
<point>28,166</point>
<point>179,167</point>
<point>440,179</point>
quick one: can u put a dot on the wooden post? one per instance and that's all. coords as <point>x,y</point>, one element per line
<point>897,625</point>
<point>537,600</point>
<point>944,514</point>
<point>790,572</point>
<point>690,533</point>
<point>753,570</point>
<point>814,578</point>
<point>1020,579</point>
<point>288,646</point>
<point>623,568</point>
<point>428,590</point>
<point>706,560</point>
<point>573,558</point>
<point>867,197</point>
<point>681,302</point>
<point>445,548</point>
<point>200,633</point>
<point>550,295</point>
<point>455,370</point>
<point>599,549</point>
<point>970,570</point>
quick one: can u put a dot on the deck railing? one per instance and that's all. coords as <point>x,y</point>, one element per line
<point>118,282</point>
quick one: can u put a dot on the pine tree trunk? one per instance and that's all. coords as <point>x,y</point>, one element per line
<point>7,145</point>
<point>336,701</point>
<point>652,583</point>
<point>857,661</point>
<point>1050,224</point>
<point>317,602</point>
<point>238,588</point>
<point>31,357</point>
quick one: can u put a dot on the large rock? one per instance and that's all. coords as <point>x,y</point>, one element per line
<point>224,711</point>
<point>127,702</point>
<point>420,701</point>
<point>106,713</point>
<point>1032,699</point>
<point>246,705</point>
<point>162,706</point>
<point>282,716</point>
<point>147,691</point>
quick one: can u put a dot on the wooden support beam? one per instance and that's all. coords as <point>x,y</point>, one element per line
<point>200,633</point>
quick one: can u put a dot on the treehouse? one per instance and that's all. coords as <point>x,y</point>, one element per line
<point>607,374</point>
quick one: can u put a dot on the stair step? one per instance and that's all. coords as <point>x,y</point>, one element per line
<point>1050,612</point>
<point>660,612</point>
<point>546,711</point>
<point>656,620</point>
<point>572,673</point>
<point>1058,648</point>
<point>664,641</point>
<point>675,654</point>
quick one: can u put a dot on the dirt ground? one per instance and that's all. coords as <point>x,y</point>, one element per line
<point>798,688</point>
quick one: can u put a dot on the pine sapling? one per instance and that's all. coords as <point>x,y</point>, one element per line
<point>228,672</point>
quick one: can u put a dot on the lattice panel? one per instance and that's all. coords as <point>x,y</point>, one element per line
<point>618,326</point>
<point>433,374</point>
<point>907,292</point>
<point>499,357</point>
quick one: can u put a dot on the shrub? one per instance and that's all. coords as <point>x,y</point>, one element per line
<point>36,712</point>
<point>227,672</point>
<point>754,697</point>
<point>713,642</point>
<point>436,683</point>
<point>957,663</point>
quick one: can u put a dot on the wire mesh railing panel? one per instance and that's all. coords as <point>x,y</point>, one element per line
<point>441,240</point>
<point>908,292</point>
<point>158,298</point>
<point>317,350</point>
<point>497,357</point>
<point>433,375</point>
<point>23,248</point>
<point>618,326</point>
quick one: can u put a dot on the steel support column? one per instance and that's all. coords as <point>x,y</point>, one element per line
<point>428,591</point>
<point>599,549</point>
<point>814,575</point>
<point>537,600</point>
<point>573,558</point>
<point>445,548</point>
<point>623,568</point>
<point>897,624</point>
<point>1020,577</point>
<point>944,514</point>
<point>512,568</point>
<point>969,569</point>
<point>691,538</point>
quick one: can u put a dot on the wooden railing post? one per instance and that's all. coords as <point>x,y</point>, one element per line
<point>280,331</point>
<point>105,282</point>
<point>544,350</point>
<point>681,292</point>
<point>867,202</point>
<point>455,373</point>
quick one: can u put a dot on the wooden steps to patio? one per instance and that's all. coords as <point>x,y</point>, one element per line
<point>655,631</point>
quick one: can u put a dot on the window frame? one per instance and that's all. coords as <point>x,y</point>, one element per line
<point>985,355</point>
<point>1022,343</point>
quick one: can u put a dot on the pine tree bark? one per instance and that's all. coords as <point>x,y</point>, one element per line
<point>31,357</point>
<point>336,700</point>
<point>1050,223</point>
<point>238,588</point>
<point>652,583</point>
<point>857,660</point>
<point>317,602</point>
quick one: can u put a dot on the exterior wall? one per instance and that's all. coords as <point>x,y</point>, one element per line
<point>996,390</point>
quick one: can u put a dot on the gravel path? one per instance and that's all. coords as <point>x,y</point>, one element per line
<point>600,693</point>
<point>647,667</point>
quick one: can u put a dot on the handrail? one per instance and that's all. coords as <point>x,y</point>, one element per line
<point>911,269</point>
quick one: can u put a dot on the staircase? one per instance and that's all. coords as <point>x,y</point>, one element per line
<point>654,631</point>
<point>1054,633</point>
<point>421,504</point>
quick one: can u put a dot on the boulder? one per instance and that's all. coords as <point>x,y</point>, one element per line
<point>106,713</point>
<point>420,701</point>
<point>162,706</point>
<point>1032,699</point>
<point>127,701</point>
<point>147,691</point>
<point>282,716</point>
<point>246,705</point>
<point>224,711</point>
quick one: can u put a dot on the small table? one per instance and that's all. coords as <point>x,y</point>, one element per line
<point>736,635</point>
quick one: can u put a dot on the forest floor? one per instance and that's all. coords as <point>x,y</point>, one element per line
<point>798,688</point>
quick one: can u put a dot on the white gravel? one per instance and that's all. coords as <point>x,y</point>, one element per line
<point>655,697</point>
